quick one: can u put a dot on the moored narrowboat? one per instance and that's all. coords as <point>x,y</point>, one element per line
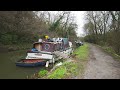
<point>45,52</point>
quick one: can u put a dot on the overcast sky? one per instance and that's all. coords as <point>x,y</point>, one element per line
<point>79,18</point>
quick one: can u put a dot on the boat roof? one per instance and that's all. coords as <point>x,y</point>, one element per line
<point>37,42</point>
<point>46,42</point>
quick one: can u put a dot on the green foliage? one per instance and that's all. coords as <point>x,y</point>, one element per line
<point>42,36</point>
<point>67,69</point>
<point>18,27</point>
<point>82,56</point>
<point>110,51</point>
<point>6,39</point>
<point>28,27</point>
<point>100,32</point>
<point>18,46</point>
<point>42,73</point>
<point>71,68</point>
<point>58,73</point>
<point>55,25</point>
<point>14,39</point>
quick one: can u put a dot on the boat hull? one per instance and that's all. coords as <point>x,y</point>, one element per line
<point>33,63</point>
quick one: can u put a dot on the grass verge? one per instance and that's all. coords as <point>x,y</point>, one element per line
<point>110,51</point>
<point>42,73</point>
<point>64,71</point>
<point>82,57</point>
<point>82,52</point>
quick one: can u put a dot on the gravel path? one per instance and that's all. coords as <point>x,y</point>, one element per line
<point>101,65</point>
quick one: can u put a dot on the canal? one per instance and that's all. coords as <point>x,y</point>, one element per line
<point>8,69</point>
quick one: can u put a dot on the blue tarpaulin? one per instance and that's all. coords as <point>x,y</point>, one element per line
<point>34,49</point>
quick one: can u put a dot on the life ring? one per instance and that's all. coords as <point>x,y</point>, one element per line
<point>47,46</point>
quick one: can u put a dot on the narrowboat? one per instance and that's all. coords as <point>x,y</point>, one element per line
<point>46,50</point>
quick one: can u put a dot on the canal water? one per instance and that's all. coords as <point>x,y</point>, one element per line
<point>8,69</point>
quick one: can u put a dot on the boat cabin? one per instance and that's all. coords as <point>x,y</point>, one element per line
<point>51,46</point>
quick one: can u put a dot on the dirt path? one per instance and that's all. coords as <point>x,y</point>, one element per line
<point>101,65</point>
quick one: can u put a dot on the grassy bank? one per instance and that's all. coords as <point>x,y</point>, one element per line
<point>82,58</point>
<point>82,52</point>
<point>66,70</point>
<point>110,51</point>
<point>69,69</point>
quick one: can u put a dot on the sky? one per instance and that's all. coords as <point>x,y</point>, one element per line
<point>79,17</point>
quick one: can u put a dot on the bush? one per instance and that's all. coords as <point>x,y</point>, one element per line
<point>14,38</point>
<point>6,39</point>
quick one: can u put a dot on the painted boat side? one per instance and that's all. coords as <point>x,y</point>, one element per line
<point>39,55</point>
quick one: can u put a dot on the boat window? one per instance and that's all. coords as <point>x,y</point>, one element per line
<point>47,46</point>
